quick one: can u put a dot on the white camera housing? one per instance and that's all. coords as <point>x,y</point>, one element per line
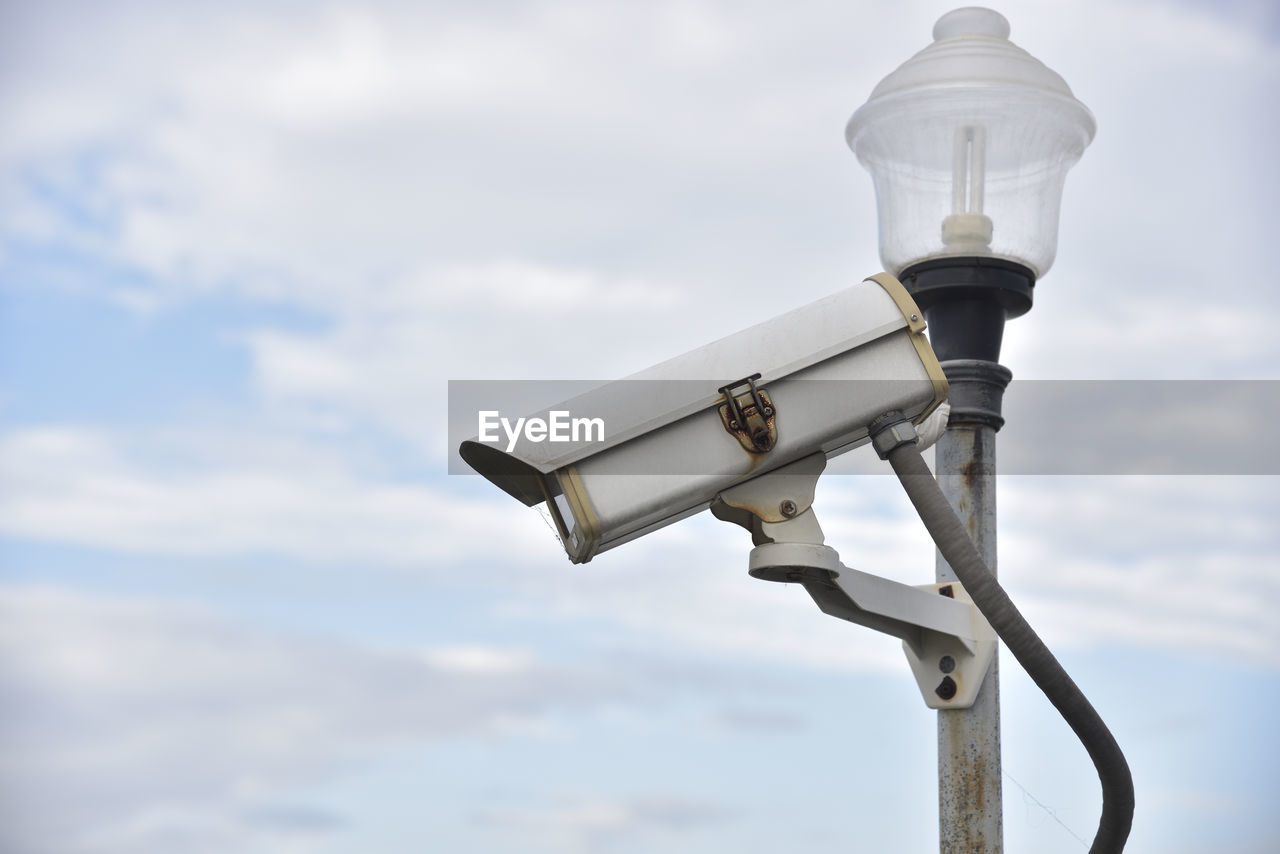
<point>678,434</point>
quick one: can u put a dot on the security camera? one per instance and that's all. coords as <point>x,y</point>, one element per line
<point>637,454</point>
<point>634,455</point>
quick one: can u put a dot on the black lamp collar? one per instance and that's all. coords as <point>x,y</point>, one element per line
<point>966,301</point>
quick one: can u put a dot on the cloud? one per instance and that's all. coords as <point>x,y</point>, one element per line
<point>385,362</point>
<point>309,155</point>
<point>515,190</point>
<point>590,824</point>
<point>110,492</point>
<point>91,488</point>
<point>1185,564</point>
<point>1182,563</point>
<point>131,724</point>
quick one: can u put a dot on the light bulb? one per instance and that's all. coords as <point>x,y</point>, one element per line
<point>967,230</point>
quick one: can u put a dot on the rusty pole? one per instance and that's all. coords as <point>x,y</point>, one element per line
<point>970,812</point>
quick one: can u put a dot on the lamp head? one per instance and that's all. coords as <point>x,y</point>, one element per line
<point>969,143</point>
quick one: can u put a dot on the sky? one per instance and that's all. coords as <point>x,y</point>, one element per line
<point>244,607</point>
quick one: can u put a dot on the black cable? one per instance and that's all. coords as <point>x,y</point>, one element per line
<point>959,551</point>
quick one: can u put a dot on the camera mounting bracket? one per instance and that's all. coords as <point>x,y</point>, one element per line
<point>947,641</point>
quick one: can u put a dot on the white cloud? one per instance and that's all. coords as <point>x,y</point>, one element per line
<point>386,360</point>
<point>577,822</point>
<point>688,587</point>
<point>132,724</point>
<point>1182,563</point>
<point>532,186</point>
<point>88,488</point>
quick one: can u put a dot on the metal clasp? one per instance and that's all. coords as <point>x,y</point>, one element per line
<point>750,415</point>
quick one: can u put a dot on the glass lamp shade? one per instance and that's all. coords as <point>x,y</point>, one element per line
<point>969,143</point>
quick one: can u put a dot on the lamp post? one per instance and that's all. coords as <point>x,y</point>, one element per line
<point>968,143</point>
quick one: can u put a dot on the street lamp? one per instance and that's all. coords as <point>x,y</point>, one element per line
<point>968,143</point>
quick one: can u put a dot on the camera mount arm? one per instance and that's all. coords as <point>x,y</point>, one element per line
<point>948,643</point>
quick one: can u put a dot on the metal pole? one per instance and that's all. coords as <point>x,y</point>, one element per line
<point>970,811</point>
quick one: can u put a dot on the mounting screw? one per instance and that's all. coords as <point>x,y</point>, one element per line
<point>788,508</point>
<point>946,688</point>
<point>947,664</point>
